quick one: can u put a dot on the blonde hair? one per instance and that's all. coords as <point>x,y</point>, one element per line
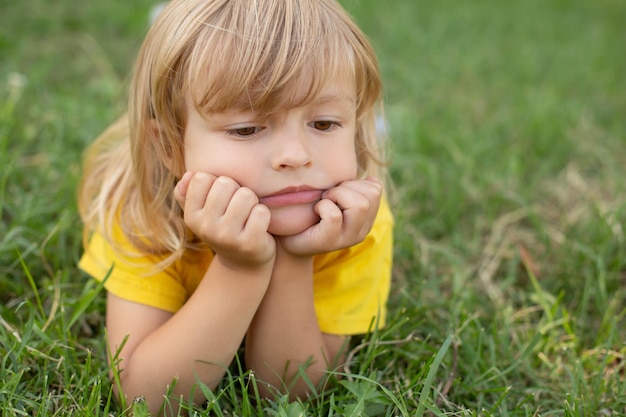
<point>226,54</point>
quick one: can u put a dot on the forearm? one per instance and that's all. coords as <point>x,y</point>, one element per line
<point>199,341</point>
<point>285,334</point>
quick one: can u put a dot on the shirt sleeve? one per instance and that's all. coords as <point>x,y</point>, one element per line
<point>133,278</point>
<point>351,286</point>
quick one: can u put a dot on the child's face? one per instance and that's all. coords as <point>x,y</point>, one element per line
<point>288,160</point>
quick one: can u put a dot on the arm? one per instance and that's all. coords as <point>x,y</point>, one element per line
<point>285,334</point>
<point>199,341</point>
<point>195,344</point>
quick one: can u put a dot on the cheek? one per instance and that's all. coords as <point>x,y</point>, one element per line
<point>343,165</point>
<point>220,161</point>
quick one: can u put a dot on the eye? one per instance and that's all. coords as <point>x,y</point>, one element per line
<point>324,125</point>
<point>244,132</point>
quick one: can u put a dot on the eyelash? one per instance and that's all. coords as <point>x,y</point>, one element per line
<point>238,132</point>
<point>331,125</point>
<point>250,131</point>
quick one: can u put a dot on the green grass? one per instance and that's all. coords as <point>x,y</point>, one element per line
<point>509,142</point>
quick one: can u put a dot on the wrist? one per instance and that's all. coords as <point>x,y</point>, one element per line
<point>288,266</point>
<point>284,255</point>
<point>243,265</point>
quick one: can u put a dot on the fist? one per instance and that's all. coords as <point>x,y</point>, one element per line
<point>227,217</point>
<point>347,213</point>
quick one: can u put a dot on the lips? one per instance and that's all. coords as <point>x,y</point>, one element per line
<point>292,196</point>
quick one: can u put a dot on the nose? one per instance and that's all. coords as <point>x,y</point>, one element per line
<point>292,149</point>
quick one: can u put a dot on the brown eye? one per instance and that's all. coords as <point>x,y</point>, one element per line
<point>323,125</point>
<point>246,131</point>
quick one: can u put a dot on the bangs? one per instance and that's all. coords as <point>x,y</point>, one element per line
<point>246,59</point>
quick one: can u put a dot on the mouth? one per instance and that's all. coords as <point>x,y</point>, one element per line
<point>292,196</point>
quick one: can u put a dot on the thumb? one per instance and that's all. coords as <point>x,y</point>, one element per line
<point>180,190</point>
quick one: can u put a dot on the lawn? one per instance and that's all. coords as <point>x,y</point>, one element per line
<point>508,128</point>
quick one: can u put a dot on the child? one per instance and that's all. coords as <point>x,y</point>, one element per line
<point>239,201</point>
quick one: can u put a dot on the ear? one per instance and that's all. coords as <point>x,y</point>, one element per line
<point>157,135</point>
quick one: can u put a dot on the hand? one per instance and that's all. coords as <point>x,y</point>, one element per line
<point>347,213</point>
<point>228,218</point>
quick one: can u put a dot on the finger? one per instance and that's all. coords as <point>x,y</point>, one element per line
<point>197,191</point>
<point>259,243</point>
<point>219,196</point>
<point>359,201</point>
<point>349,197</point>
<point>318,238</point>
<point>180,191</point>
<point>369,182</point>
<point>331,219</point>
<point>241,203</point>
<point>258,221</point>
<point>371,189</point>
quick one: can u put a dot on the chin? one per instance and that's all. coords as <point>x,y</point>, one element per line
<point>292,220</point>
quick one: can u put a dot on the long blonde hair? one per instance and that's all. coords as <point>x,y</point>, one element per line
<point>225,54</point>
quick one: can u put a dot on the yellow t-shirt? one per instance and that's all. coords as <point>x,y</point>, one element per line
<point>351,286</point>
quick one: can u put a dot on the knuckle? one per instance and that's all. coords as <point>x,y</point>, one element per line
<point>205,232</point>
<point>199,178</point>
<point>335,217</point>
<point>247,194</point>
<point>191,220</point>
<point>363,205</point>
<point>224,181</point>
<point>223,236</point>
<point>260,213</point>
<point>248,247</point>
